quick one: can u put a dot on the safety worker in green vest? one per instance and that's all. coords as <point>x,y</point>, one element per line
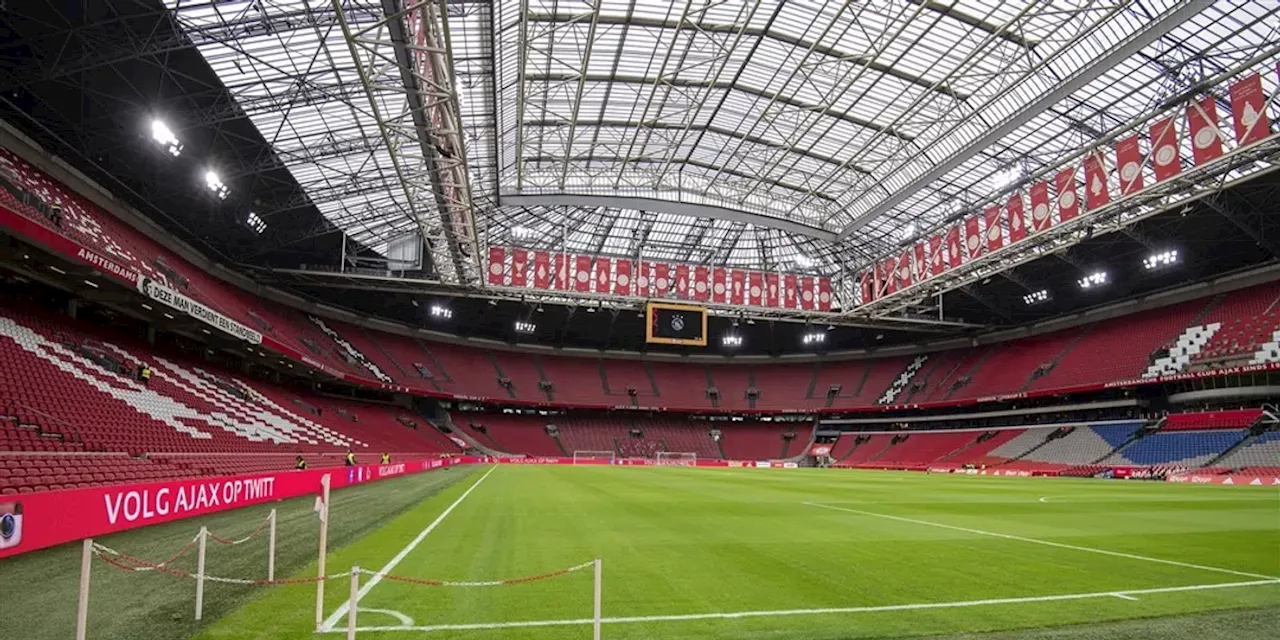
<point>351,458</point>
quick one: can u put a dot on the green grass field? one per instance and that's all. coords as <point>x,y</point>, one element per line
<point>741,553</point>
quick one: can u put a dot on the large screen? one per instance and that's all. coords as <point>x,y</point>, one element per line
<point>676,324</point>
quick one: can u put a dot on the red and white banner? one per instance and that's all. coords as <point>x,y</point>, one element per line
<point>995,235</point>
<point>644,280</point>
<point>737,286</point>
<point>701,280</point>
<point>921,267</point>
<point>1230,479</point>
<point>973,244</point>
<point>772,290</point>
<point>622,281</point>
<point>497,265</point>
<point>819,450</point>
<point>1165,157</point>
<point>789,291</point>
<point>661,279</point>
<point>955,255</point>
<point>604,275</point>
<point>560,272</point>
<point>807,297</point>
<point>1129,165</point>
<point>519,267</point>
<point>1017,218</point>
<point>1040,212</point>
<point>888,276</point>
<point>867,284</point>
<point>1096,192</point>
<point>936,264</point>
<point>51,518</point>
<point>904,270</point>
<point>719,285</point>
<point>824,294</point>
<point>1068,201</point>
<point>582,273</point>
<point>541,270</point>
<point>755,288</point>
<point>682,281</point>
<point>1249,110</point>
<point>1206,138</point>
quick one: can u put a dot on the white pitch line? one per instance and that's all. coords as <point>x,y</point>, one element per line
<point>733,615</point>
<point>1124,597</point>
<point>332,620</point>
<point>1060,545</point>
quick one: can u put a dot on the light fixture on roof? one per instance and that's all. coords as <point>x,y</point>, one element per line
<point>440,311</point>
<point>814,337</point>
<point>215,184</point>
<point>1005,177</point>
<point>256,223</point>
<point>1036,297</point>
<point>91,283</point>
<point>525,327</point>
<point>731,340</point>
<point>1093,280</point>
<point>163,135</point>
<point>803,261</point>
<point>908,232</point>
<point>1162,259</point>
<point>521,231</point>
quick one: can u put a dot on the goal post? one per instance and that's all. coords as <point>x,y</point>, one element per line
<point>677,459</point>
<point>594,457</point>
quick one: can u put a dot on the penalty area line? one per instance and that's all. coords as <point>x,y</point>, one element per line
<point>365,588</point>
<point>1047,543</point>
<point>733,615</point>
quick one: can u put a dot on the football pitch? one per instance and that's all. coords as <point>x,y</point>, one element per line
<point>746,553</point>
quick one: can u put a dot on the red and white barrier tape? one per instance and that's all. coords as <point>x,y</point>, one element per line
<point>129,563</point>
<point>481,583</point>
<point>243,540</point>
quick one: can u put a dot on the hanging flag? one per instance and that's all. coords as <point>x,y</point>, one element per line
<point>936,264</point>
<point>955,254</point>
<point>1068,203</point>
<point>541,270</point>
<point>867,284</point>
<point>644,280</point>
<point>973,244</point>
<point>604,275</point>
<point>771,290</point>
<point>582,274</point>
<point>662,280</point>
<point>921,272</point>
<point>1206,138</point>
<point>824,294</point>
<point>701,290</point>
<point>1249,110</point>
<point>789,291</point>
<point>1040,218</point>
<point>560,272</point>
<point>519,267</point>
<point>1096,193</point>
<point>1165,157</point>
<point>682,281</point>
<point>755,288</point>
<point>719,285</point>
<point>737,286</point>
<point>808,300</point>
<point>1017,218</point>
<point>497,265</point>
<point>622,284</point>
<point>995,235</point>
<point>1129,165</point>
<point>889,275</point>
<point>904,270</point>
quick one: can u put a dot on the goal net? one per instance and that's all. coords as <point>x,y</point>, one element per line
<point>593,457</point>
<point>677,459</point>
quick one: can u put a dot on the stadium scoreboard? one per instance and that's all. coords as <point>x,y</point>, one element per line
<point>676,324</point>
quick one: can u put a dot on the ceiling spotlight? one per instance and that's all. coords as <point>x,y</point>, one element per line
<point>256,223</point>
<point>163,135</point>
<point>215,184</point>
<point>1162,259</point>
<point>1093,280</point>
<point>731,340</point>
<point>525,327</point>
<point>1036,297</point>
<point>441,312</point>
<point>813,337</point>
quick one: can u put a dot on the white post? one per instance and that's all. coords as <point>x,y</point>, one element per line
<point>595,622</point>
<point>351,604</point>
<point>324,535</point>
<point>271,546</point>
<point>204,537</point>
<point>82,609</point>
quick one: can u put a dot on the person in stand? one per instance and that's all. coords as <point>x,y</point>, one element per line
<point>351,458</point>
<point>386,458</point>
<point>300,464</point>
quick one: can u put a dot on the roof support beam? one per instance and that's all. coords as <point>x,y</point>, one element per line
<point>1090,72</point>
<point>665,206</point>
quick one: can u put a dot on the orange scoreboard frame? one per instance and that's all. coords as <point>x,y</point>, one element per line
<point>658,308</point>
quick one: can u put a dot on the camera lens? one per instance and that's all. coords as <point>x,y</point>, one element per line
<point>7,525</point>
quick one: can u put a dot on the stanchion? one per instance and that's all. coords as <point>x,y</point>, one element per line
<point>351,604</point>
<point>204,538</point>
<point>82,607</point>
<point>323,509</point>
<point>595,621</point>
<point>271,546</point>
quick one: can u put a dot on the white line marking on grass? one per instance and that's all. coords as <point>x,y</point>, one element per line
<point>391,565</point>
<point>405,621</point>
<point>1044,499</point>
<point>1124,597</point>
<point>734,615</point>
<point>1060,545</point>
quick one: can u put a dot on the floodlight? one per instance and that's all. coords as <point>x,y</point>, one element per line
<point>215,184</point>
<point>525,327</point>
<point>814,337</point>
<point>907,232</point>
<point>440,311</point>
<point>256,223</point>
<point>1093,280</point>
<point>803,261</point>
<point>1162,259</point>
<point>1036,297</point>
<point>731,340</point>
<point>1006,177</point>
<point>162,134</point>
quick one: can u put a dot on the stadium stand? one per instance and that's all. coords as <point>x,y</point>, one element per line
<point>1230,419</point>
<point>1261,456</point>
<point>1179,448</point>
